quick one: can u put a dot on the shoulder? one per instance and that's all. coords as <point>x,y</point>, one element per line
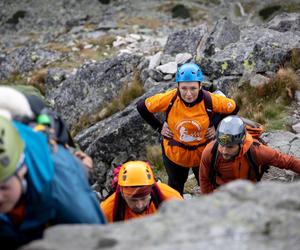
<point>208,148</point>
<point>169,192</point>
<point>165,95</point>
<point>108,203</point>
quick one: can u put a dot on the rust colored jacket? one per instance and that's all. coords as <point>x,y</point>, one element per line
<point>189,124</point>
<point>107,206</point>
<point>238,168</point>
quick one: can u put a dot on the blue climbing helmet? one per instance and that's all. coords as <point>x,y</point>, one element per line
<point>189,72</point>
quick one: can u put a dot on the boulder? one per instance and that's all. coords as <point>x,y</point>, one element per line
<point>239,216</point>
<point>94,85</point>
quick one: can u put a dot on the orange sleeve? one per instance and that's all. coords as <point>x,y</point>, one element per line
<point>107,207</point>
<point>168,192</point>
<point>159,102</point>
<point>268,156</point>
<point>205,185</point>
<point>222,104</point>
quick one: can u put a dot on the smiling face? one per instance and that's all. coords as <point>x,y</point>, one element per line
<point>189,91</point>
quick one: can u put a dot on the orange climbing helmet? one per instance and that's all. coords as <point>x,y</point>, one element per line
<point>135,173</point>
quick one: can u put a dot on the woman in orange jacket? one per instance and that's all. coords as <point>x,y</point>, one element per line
<point>137,193</point>
<point>232,160</point>
<point>188,124</point>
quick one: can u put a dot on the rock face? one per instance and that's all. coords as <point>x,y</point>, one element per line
<point>93,85</point>
<point>239,216</point>
<point>119,138</point>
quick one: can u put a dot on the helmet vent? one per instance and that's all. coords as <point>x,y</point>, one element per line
<point>4,160</point>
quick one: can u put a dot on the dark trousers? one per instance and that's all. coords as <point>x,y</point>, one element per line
<point>177,175</point>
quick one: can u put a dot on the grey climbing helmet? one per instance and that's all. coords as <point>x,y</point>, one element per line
<point>231,131</point>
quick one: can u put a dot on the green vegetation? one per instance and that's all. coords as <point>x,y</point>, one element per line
<point>268,11</point>
<point>267,104</point>
<point>295,58</point>
<point>154,156</point>
<point>128,93</point>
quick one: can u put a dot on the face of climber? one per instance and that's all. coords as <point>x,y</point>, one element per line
<point>11,191</point>
<point>189,91</point>
<point>229,152</point>
<point>138,205</point>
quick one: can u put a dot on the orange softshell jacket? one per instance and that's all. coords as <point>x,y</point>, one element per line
<point>189,124</point>
<point>107,206</point>
<point>238,168</point>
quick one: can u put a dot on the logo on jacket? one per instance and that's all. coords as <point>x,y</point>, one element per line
<point>189,131</point>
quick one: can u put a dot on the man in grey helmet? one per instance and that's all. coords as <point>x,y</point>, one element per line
<point>235,154</point>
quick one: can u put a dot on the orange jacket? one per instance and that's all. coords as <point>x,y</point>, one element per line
<point>238,168</point>
<point>107,206</point>
<point>189,124</point>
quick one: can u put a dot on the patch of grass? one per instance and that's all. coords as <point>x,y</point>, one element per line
<point>106,40</point>
<point>154,156</point>
<point>58,47</point>
<point>295,58</point>
<point>14,78</point>
<point>37,79</point>
<point>140,21</point>
<point>267,104</point>
<point>128,93</point>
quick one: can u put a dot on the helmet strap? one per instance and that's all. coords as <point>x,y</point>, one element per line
<point>23,183</point>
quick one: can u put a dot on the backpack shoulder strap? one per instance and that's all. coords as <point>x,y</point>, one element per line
<point>208,105</point>
<point>254,167</point>
<point>212,175</point>
<point>157,196</point>
<point>171,105</point>
<point>119,206</point>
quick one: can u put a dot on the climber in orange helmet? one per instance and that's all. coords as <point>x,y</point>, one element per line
<point>137,193</point>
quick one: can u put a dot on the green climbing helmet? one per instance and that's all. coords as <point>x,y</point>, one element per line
<point>11,149</point>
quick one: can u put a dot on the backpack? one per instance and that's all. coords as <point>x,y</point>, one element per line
<point>256,171</point>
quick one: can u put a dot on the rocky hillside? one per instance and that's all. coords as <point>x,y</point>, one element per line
<point>81,55</point>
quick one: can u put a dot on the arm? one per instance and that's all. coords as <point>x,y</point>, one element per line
<point>268,156</point>
<point>73,199</point>
<point>205,184</point>
<point>225,106</point>
<point>148,116</point>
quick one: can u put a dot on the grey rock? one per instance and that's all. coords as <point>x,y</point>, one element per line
<point>182,58</point>
<point>54,78</point>
<point>258,50</point>
<point>156,75</point>
<point>297,96</point>
<point>239,216</point>
<point>225,32</point>
<point>23,60</point>
<point>259,80</point>
<point>155,60</point>
<point>296,128</point>
<point>226,83</point>
<point>167,58</point>
<point>169,68</point>
<point>92,86</point>
<point>285,22</point>
<point>185,41</point>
